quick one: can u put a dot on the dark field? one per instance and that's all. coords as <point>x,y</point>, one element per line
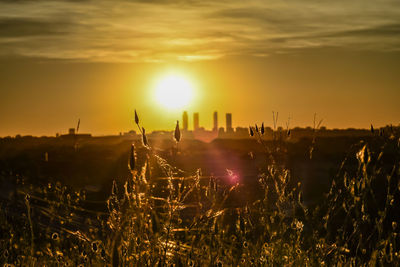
<point>312,201</point>
<point>99,161</point>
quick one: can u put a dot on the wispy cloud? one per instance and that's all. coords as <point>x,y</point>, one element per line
<point>24,27</point>
<point>158,30</point>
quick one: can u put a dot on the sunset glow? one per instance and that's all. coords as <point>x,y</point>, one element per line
<point>100,60</point>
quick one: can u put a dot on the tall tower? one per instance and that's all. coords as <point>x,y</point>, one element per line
<point>229,122</point>
<point>185,121</point>
<point>215,129</point>
<point>195,121</point>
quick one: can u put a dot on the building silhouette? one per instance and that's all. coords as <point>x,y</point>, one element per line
<point>72,133</point>
<point>185,121</point>
<point>229,128</point>
<point>195,121</point>
<point>215,128</point>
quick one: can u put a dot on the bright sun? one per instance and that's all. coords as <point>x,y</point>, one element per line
<point>174,91</point>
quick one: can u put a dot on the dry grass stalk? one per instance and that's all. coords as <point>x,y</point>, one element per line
<point>144,138</point>
<point>132,159</point>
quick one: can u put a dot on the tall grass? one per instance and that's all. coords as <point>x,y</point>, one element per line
<point>192,220</point>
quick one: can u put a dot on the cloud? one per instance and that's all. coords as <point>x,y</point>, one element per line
<point>19,27</point>
<point>157,30</point>
<point>386,30</point>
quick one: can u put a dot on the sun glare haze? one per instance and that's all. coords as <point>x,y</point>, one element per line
<point>174,91</point>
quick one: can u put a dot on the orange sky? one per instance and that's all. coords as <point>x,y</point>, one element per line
<point>61,60</point>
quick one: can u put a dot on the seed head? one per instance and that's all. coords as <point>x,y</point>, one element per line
<point>136,118</point>
<point>372,128</point>
<point>114,189</point>
<point>262,129</point>
<point>251,131</point>
<point>177,133</point>
<point>256,128</point>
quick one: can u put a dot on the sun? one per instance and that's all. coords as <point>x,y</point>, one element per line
<point>174,91</point>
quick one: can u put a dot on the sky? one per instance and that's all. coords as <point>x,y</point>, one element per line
<point>97,61</point>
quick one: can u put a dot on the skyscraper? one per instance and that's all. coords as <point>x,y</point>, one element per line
<point>229,122</point>
<point>215,121</point>
<point>185,121</point>
<point>195,121</point>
